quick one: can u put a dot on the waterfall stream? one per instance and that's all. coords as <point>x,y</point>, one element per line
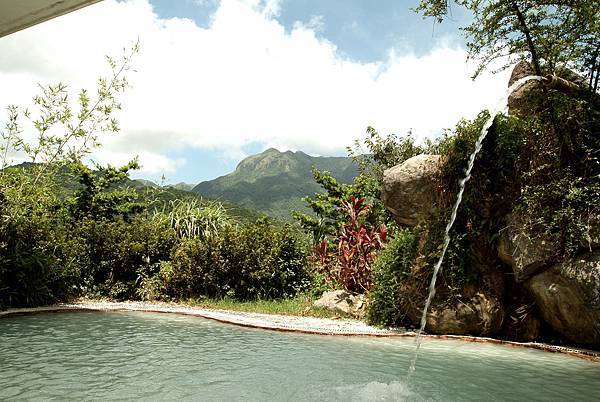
<point>462,183</point>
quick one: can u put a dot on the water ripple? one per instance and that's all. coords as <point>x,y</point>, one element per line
<point>128,355</point>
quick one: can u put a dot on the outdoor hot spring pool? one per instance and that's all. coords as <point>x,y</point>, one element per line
<point>128,355</point>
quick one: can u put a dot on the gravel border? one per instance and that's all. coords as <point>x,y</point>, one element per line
<point>310,325</point>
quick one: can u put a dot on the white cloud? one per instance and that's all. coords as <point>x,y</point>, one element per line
<point>316,23</point>
<point>241,80</point>
<point>151,163</point>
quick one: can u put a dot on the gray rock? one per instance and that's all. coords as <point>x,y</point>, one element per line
<point>531,328</point>
<point>518,101</point>
<point>527,255</point>
<point>409,190</point>
<point>592,240</point>
<point>341,301</point>
<point>568,297</point>
<point>480,315</point>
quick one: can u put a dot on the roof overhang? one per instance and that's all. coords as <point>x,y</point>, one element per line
<point>20,14</point>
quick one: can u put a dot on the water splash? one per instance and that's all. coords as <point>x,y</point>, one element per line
<point>378,392</point>
<point>462,183</point>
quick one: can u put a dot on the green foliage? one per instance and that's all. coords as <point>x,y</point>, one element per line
<point>63,134</point>
<point>520,170</point>
<point>36,242</point>
<point>566,209</point>
<point>349,264</point>
<point>245,262</point>
<point>488,198</point>
<point>381,153</point>
<point>391,269</point>
<point>115,255</point>
<point>560,190</point>
<point>554,34</point>
<point>195,270</point>
<point>100,197</point>
<point>403,269</point>
<point>326,206</point>
<point>67,230</point>
<point>191,219</point>
<point>32,268</point>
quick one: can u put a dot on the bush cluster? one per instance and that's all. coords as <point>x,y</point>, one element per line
<point>258,260</point>
<point>391,269</point>
<point>52,248</point>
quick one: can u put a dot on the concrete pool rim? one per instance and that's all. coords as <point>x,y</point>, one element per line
<point>273,322</point>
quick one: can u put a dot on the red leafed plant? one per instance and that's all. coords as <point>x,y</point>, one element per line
<point>356,251</point>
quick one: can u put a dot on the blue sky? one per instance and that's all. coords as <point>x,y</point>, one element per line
<point>218,80</point>
<point>363,30</point>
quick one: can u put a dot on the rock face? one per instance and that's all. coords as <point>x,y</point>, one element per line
<point>567,294</point>
<point>592,240</point>
<point>342,302</point>
<point>409,190</point>
<point>539,290</point>
<point>481,315</point>
<point>525,254</point>
<point>568,297</point>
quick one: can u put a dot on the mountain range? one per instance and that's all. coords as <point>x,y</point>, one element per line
<point>275,182</point>
<point>148,191</point>
<point>271,183</point>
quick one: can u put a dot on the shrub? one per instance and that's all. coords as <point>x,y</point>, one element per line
<point>251,261</point>
<point>32,271</point>
<point>195,270</point>
<point>33,241</point>
<point>37,245</point>
<point>391,268</point>
<point>117,254</point>
<point>357,247</point>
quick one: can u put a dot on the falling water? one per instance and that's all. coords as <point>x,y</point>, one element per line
<point>462,183</point>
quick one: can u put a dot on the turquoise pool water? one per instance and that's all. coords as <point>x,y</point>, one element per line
<point>150,356</point>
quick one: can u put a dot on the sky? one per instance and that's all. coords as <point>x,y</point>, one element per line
<point>216,81</point>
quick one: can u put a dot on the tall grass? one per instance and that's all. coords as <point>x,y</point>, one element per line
<point>192,219</point>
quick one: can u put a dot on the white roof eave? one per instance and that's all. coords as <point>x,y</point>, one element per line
<point>16,15</point>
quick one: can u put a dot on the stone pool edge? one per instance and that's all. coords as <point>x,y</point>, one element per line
<point>274,322</point>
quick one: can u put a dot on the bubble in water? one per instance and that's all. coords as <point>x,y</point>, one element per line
<point>379,391</point>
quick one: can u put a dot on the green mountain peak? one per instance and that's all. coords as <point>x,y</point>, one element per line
<point>275,182</point>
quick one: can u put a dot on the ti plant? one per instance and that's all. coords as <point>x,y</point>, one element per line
<point>357,246</point>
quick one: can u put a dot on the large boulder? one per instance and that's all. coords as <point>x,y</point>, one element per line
<point>530,254</point>
<point>527,254</point>
<point>342,302</point>
<point>480,315</point>
<point>519,101</point>
<point>410,191</point>
<point>568,297</point>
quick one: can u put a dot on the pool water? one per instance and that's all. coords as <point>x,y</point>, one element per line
<point>153,356</point>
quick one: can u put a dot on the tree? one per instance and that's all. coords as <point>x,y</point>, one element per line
<point>553,34</point>
<point>34,239</point>
<point>101,197</point>
<point>60,133</point>
<point>372,155</point>
<point>383,153</point>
